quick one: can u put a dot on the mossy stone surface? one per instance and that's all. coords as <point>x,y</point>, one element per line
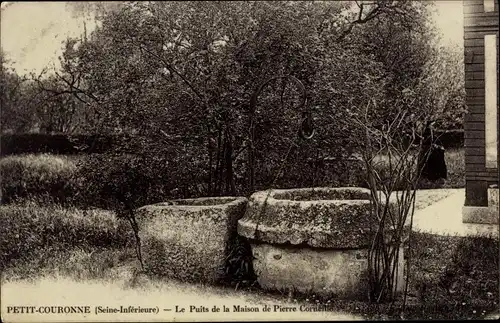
<point>188,239</point>
<point>318,217</point>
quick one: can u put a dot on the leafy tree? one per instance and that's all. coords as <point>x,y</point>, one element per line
<point>189,70</point>
<point>179,76</point>
<point>14,117</point>
<point>442,87</point>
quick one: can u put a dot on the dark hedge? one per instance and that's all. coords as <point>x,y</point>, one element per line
<point>60,144</point>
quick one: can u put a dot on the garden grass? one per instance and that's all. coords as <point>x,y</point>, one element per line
<point>453,278</point>
<point>455,163</point>
<point>32,231</point>
<point>44,177</point>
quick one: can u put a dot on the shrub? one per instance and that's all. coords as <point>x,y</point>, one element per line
<point>311,172</point>
<point>120,182</point>
<point>99,179</point>
<point>44,177</point>
<point>27,229</point>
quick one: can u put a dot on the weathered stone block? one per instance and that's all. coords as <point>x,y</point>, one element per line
<point>338,273</point>
<point>493,196</point>
<point>483,214</point>
<point>312,240</point>
<point>189,239</point>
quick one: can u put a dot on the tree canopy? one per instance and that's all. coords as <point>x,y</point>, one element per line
<point>176,78</point>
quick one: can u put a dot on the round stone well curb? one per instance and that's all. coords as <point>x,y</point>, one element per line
<point>189,239</point>
<point>312,240</point>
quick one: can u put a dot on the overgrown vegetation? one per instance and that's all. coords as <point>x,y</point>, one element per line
<point>81,263</point>
<point>457,277</point>
<point>44,177</point>
<point>32,231</point>
<point>176,77</point>
<point>76,180</point>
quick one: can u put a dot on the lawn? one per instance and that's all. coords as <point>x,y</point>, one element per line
<point>44,177</point>
<point>455,163</point>
<point>32,232</point>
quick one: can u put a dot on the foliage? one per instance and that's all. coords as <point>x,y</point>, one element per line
<point>33,104</point>
<point>414,94</point>
<point>120,182</point>
<point>441,87</point>
<point>30,228</point>
<point>55,109</point>
<point>394,178</point>
<point>413,60</point>
<point>177,77</point>
<point>181,75</point>
<point>44,177</point>
<point>394,126</point>
<point>62,184</point>
<point>11,98</point>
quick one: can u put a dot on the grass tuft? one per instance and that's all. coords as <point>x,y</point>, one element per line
<point>44,177</point>
<point>30,230</point>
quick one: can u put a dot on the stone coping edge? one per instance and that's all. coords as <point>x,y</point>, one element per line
<point>335,233</point>
<point>170,204</point>
<point>271,197</point>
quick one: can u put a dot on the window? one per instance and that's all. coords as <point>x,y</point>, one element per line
<point>490,99</point>
<point>489,5</point>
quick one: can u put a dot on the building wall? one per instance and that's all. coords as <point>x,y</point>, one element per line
<point>477,24</point>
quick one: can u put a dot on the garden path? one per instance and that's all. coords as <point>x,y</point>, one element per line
<point>444,217</point>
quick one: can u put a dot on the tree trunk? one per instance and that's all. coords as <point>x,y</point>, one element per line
<point>228,151</point>
<point>210,166</point>
<point>217,164</point>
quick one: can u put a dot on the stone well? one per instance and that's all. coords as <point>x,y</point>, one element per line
<point>312,240</point>
<point>189,239</point>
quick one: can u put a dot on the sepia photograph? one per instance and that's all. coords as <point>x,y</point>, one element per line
<point>181,161</point>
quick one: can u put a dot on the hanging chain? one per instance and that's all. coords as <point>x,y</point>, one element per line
<point>306,131</point>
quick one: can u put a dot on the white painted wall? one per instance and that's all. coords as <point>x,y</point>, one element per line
<point>489,5</point>
<point>491,104</point>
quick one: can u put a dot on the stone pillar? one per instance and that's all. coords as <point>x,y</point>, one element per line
<point>476,193</point>
<point>481,204</point>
